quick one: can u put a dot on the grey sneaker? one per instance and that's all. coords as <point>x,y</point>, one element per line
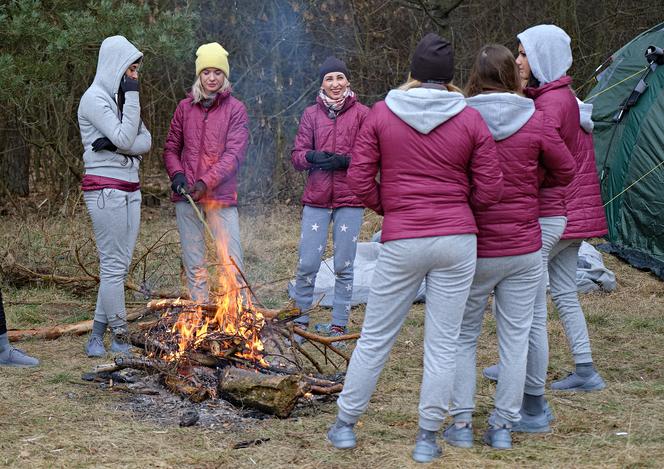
<point>491,372</point>
<point>461,437</point>
<point>95,346</point>
<point>337,331</point>
<point>120,342</point>
<point>342,436</point>
<point>17,358</point>
<point>323,328</point>
<point>574,382</point>
<point>426,450</point>
<point>498,437</point>
<point>533,423</point>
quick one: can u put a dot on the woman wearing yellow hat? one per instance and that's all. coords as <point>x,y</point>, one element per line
<point>205,147</point>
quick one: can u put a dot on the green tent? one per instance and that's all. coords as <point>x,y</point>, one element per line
<point>629,150</point>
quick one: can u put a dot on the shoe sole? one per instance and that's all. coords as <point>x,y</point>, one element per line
<point>597,387</point>
<point>425,458</point>
<point>18,365</point>
<point>349,445</point>
<point>497,446</point>
<point>545,429</point>
<point>459,444</point>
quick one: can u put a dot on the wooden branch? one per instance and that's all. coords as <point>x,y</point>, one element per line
<point>165,303</point>
<point>50,333</point>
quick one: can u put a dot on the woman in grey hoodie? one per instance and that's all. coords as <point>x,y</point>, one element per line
<point>114,138</point>
<point>509,258</point>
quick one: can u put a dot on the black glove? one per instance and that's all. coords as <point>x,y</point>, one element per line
<point>178,183</point>
<point>319,159</point>
<point>198,191</point>
<point>340,161</point>
<point>128,84</point>
<point>103,143</point>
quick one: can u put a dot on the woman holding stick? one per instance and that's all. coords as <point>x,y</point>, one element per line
<point>205,146</point>
<point>114,138</point>
<point>437,161</point>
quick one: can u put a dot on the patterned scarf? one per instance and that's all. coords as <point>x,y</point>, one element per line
<point>335,105</point>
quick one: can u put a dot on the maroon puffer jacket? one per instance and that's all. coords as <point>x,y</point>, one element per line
<point>208,145</point>
<point>328,189</point>
<point>427,181</point>
<point>511,227</point>
<point>585,210</point>
<point>559,105</point>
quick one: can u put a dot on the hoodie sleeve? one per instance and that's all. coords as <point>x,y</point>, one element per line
<point>235,150</point>
<point>142,144</point>
<point>558,163</point>
<point>122,133</point>
<point>174,143</point>
<point>304,142</point>
<point>486,177</point>
<point>365,164</point>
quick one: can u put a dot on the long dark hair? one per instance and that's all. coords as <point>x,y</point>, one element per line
<point>494,70</point>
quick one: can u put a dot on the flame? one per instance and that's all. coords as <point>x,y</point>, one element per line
<point>234,317</point>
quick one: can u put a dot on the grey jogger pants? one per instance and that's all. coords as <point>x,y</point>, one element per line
<point>224,222</point>
<point>514,280</point>
<point>116,217</point>
<point>538,344</point>
<point>564,293</point>
<point>448,264</point>
<point>346,224</point>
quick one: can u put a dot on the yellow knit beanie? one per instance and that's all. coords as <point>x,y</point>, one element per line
<point>212,55</point>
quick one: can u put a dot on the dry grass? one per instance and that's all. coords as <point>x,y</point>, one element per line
<point>49,419</point>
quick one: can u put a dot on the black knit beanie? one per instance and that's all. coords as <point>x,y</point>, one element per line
<point>433,60</point>
<point>332,64</point>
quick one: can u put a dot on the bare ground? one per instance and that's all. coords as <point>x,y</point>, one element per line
<point>49,418</point>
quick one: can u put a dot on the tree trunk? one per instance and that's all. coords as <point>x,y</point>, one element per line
<point>14,160</point>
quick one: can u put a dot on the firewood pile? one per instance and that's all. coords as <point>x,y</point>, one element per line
<point>248,355</point>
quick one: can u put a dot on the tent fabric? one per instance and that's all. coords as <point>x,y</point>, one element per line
<point>627,150</point>
<point>591,275</point>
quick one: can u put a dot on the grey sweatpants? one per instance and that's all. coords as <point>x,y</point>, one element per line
<point>564,292</point>
<point>346,224</point>
<point>448,264</point>
<point>224,222</point>
<point>538,344</point>
<point>514,280</point>
<point>116,216</point>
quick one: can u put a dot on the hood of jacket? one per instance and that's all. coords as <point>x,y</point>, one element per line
<point>424,109</point>
<point>585,115</point>
<point>116,54</point>
<point>548,50</point>
<point>504,113</point>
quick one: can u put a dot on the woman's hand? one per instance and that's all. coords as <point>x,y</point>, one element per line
<point>198,191</point>
<point>103,143</point>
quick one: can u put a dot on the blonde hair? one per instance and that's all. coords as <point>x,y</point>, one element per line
<point>413,83</point>
<point>198,92</point>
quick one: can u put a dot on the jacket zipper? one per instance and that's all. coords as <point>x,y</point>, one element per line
<point>201,151</point>
<point>334,145</point>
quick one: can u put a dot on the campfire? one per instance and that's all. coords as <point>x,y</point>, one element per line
<point>231,348</point>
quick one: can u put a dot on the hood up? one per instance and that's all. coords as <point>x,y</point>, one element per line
<point>585,114</point>
<point>116,54</point>
<point>548,50</point>
<point>424,109</point>
<point>504,113</point>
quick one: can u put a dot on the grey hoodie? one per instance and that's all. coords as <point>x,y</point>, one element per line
<point>424,109</point>
<point>585,114</point>
<point>504,113</point>
<point>99,116</point>
<point>548,51</point>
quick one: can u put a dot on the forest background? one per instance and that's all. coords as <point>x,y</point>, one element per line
<point>48,55</point>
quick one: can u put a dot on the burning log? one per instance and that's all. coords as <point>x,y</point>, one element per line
<point>273,394</point>
<point>163,305</point>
